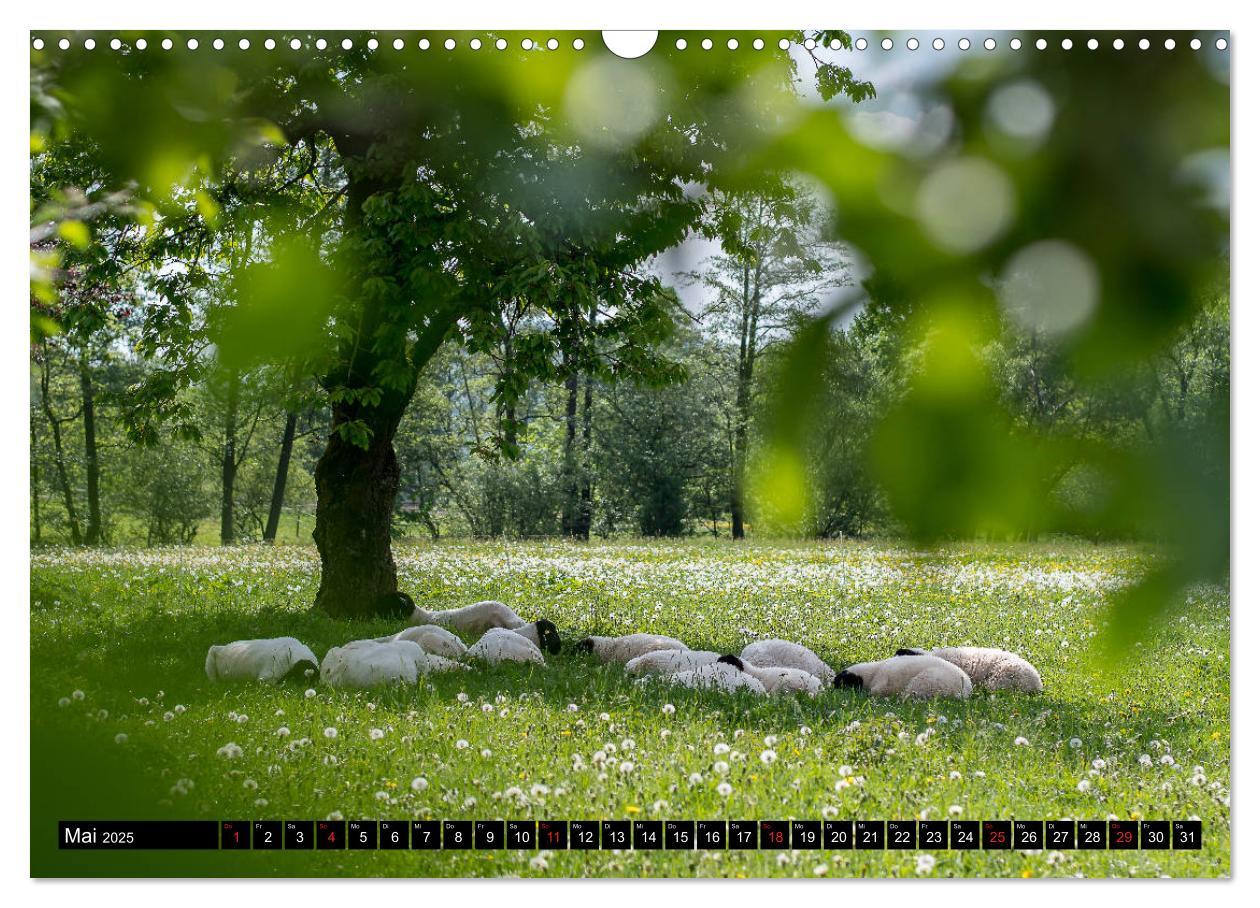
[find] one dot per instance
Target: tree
(775, 268)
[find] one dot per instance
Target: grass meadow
(125, 724)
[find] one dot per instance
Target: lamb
(907, 676)
(718, 676)
(785, 654)
(437, 641)
(778, 679)
(369, 663)
(631, 646)
(991, 669)
(271, 661)
(670, 661)
(502, 645)
(542, 634)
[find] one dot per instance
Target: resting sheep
(437, 641)
(991, 669)
(474, 619)
(369, 663)
(502, 645)
(670, 661)
(718, 676)
(272, 660)
(785, 654)
(907, 676)
(777, 679)
(631, 646)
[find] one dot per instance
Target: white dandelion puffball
(955, 810)
(1145, 760)
(64, 701)
(376, 734)
(695, 778)
(461, 697)
(721, 748)
(283, 731)
(419, 783)
(538, 862)
(1075, 743)
(955, 774)
(310, 693)
(120, 738)
(461, 744)
(573, 707)
(1099, 764)
(330, 732)
(1021, 741)
(1082, 786)
(721, 767)
(725, 789)
(230, 751)
(924, 864)
(78, 695)
(768, 757)
(626, 767)
(668, 709)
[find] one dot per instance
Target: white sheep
(777, 679)
(631, 646)
(437, 641)
(785, 654)
(502, 645)
(271, 660)
(470, 619)
(989, 668)
(670, 661)
(907, 676)
(369, 663)
(718, 676)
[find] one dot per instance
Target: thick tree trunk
(282, 478)
(227, 533)
(355, 490)
(92, 465)
(742, 394)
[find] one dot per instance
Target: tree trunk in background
(582, 526)
(91, 461)
(59, 456)
(282, 478)
(227, 534)
(569, 515)
(36, 528)
(355, 491)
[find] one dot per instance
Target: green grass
(129, 629)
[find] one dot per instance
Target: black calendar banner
(638, 835)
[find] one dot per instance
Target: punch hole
(629, 45)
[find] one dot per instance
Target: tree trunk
(355, 490)
(227, 534)
(582, 526)
(92, 465)
(282, 478)
(59, 456)
(36, 526)
(569, 517)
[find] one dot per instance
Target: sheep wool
(990, 668)
(778, 679)
(471, 619)
(622, 649)
(501, 645)
(785, 654)
(907, 676)
(542, 634)
(718, 676)
(371, 663)
(670, 661)
(270, 660)
(434, 640)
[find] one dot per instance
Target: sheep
(989, 668)
(669, 661)
(434, 640)
(777, 679)
(471, 619)
(502, 645)
(623, 649)
(908, 676)
(272, 661)
(718, 676)
(785, 654)
(368, 663)
(542, 634)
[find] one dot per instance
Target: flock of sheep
(431, 644)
